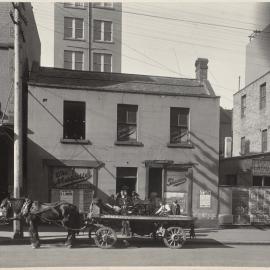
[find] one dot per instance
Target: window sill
(74, 141)
(128, 143)
(101, 7)
(75, 7)
(75, 39)
(180, 145)
(104, 42)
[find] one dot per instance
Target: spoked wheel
(174, 237)
(105, 237)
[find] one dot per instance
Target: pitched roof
(119, 82)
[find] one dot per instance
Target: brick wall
(256, 119)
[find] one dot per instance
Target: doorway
(155, 181)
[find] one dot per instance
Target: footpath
(246, 235)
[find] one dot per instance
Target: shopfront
(249, 191)
(73, 183)
(172, 182)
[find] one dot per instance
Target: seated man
(164, 209)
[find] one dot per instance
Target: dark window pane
(67, 27)
(78, 28)
(179, 135)
(257, 181)
(74, 120)
(107, 31)
(126, 132)
(97, 30)
(68, 59)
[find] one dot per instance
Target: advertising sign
(66, 195)
(205, 199)
(65, 176)
(176, 181)
(260, 167)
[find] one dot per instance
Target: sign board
(66, 195)
(176, 181)
(205, 199)
(66, 176)
(260, 167)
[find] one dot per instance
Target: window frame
(264, 136)
(243, 105)
(73, 28)
(243, 145)
(73, 5)
(73, 59)
(102, 31)
(263, 96)
(179, 125)
(66, 135)
(102, 62)
(103, 5)
(127, 108)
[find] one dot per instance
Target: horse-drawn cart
(108, 228)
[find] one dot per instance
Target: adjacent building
(88, 36)
(93, 132)
(30, 53)
(245, 178)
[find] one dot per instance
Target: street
(53, 253)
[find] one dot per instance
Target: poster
(66, 195)
(176, 181)
(205, 199)
(66, 176)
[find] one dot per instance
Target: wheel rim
(105, 237)
(175, 237)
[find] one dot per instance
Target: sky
(169, 46)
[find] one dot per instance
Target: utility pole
(18, 132)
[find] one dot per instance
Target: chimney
(201, 69)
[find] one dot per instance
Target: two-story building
(100, 131)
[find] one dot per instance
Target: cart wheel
(174, 237)
(105, 237)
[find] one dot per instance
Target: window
(179, 131)
(243, 106)
(258, 181)
(243, 145)
(102, 62)
(126, 176)
(73, 28)
(261, 181)
(127, 122)
(102, 30)
(103, 4)
(74, 4)
(264, 140)
(73, 60)
(263, 96)
(74, 120)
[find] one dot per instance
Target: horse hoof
(69, 246)
(34, 246)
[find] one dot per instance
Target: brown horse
(35, 213)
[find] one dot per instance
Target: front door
(155, 182)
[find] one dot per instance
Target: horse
(35, 213)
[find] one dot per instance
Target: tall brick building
(245, 178)
(30, 53)
(88, 36)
